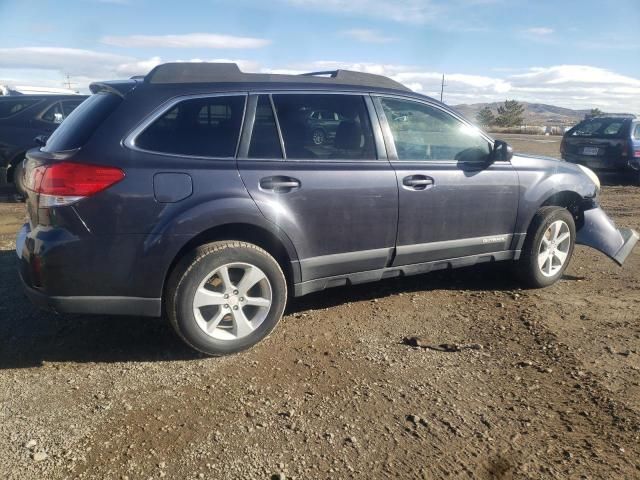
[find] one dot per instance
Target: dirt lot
(333, 393)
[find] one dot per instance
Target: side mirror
(502, 151)
(41, 140)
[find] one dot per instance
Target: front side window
(425, 133)
(204, 127)
(54, 114)
(307, 138)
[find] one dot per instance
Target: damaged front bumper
(600, 232)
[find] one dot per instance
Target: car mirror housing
(502, 151)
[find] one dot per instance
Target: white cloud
(541, 31)
(572, 86)
(366, 35)
(189, 40)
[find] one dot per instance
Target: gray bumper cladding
(600, 232)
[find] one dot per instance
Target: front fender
(600, 232)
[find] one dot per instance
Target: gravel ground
(554, 392)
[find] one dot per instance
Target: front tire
(548, 247)
(224, 297)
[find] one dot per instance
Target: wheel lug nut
(235, 307)
(242, 299)
(226, 295)
(235, 292)
(226, 305)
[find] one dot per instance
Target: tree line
(511, 114)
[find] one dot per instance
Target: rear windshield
(599, 127)
(76, 129)
(12, 106)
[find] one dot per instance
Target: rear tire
(548, 247)
(18, 178)
(224, 297)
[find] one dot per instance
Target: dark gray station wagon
(198, 192)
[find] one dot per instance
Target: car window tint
(307, 137)
(636, 132)
(78, 127)
(54, 114)
(599, 127)
(422, 132)
(265, 142)
(613, 128)
(9, 107)
(206, 127)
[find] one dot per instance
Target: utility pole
(68, 82)
(442, 88)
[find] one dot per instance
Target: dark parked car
(605, 144)
(322, 125)
(22, 119)
(197, 192)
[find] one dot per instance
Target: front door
(335, 200)
(452, 202)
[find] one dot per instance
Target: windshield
(599, 127)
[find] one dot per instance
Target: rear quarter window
(76, 129)
(202, 127)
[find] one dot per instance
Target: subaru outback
(197, 193)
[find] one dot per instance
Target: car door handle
(279, 184)
(417, 182)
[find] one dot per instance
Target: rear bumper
(145, 307)
(600, 232)
(59, 275)
(604, 165)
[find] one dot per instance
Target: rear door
(338, 201)
(453, 203)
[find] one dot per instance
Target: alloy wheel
(232, 301)
(554, 248)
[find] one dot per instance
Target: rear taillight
(63, 183)
(636, 154)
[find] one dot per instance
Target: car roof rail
(213, 72)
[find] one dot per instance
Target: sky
(576, 54)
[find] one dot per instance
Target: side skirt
(319, 284)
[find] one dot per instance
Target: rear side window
(636, 132)
(599, 127)
(306, 138)
(9, 107)
(76, 129)
(203, 127)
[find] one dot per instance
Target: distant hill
(534, 113)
